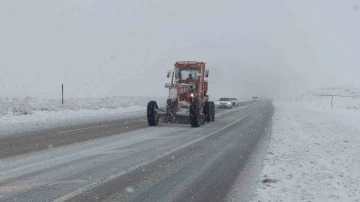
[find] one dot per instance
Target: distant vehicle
(225, 103)
(255, 99)
(234, 101)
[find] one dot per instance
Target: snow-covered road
(78, 130)
(165, 163)
(313, 155)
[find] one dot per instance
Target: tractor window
(183, 74)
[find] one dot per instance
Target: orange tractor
(188, 100)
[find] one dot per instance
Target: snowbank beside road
(18, 106)
(313, 155)
(27, 114)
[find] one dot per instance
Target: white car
(234, 101)
(225, 103)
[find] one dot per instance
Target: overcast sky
(124, 47)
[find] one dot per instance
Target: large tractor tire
(207, 111)
(195, 118)
(152, 116)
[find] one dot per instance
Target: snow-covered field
(26, 114)
(344, 97)
(313, 155)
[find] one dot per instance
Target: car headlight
(229, 103)
(192, 95)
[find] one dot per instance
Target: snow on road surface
(165, 163)
(313, 155)
(27, 114)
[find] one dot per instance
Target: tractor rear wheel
(152, 116)
(195, 118)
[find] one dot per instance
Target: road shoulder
(245, 185)
(312, 156)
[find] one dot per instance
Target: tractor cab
(188, 78)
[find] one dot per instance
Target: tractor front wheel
(152, 116)
(195, 118)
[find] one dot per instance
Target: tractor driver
(190, 78)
